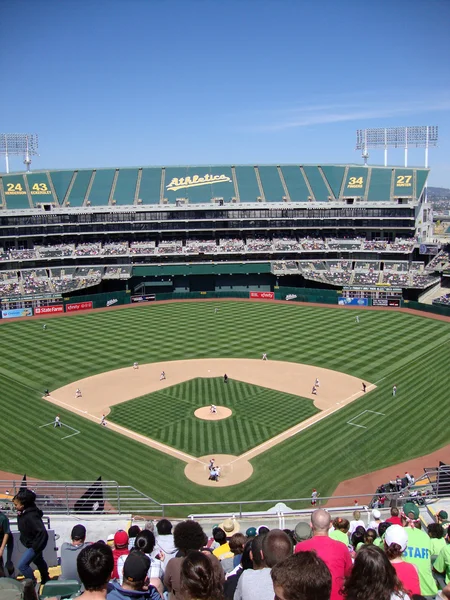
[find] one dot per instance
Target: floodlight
(19, 144)
(421, 136)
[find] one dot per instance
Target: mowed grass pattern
(168, 416)
(385, 348)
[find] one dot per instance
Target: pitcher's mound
(233, 470)
(205, 413)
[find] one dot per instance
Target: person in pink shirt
(334, 554)
(395, 542)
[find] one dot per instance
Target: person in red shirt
(120, 549)
(395, 543)
(333, 553)
(394, 518)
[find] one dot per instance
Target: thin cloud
(319, 115)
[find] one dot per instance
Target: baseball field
(375, 430)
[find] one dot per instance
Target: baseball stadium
(164, 280)
(219, 343)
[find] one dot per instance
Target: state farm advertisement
(78, 306)
(263, 295)
(49, 310)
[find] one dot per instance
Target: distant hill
(438, 192)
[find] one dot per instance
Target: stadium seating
(125, 188)
(247, 184)
(78, 192)
(271, 184)
(101, 187)
(317, 183)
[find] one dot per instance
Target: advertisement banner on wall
(263, 295)
(79, 306)
(14, 313)
(379, 302)
(353, 301)
(395, 302)
(49, 310)
(143, 298)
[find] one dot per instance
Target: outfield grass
(384, 348)
(168, 415)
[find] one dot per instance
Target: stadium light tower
(422, 136)
(19, 144)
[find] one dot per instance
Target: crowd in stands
(445, 299)
(117, 273)
(35, 282)
(224, 245)
(142, 248)
(115, 249)
(440, 262)
(347, 272)
(398, 558)
(89, 249)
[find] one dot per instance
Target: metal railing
(109, 497)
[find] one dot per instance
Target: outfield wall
(75, 304)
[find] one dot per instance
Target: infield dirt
(102, 391)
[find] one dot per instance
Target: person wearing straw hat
(222, 534)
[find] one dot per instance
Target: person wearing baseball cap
(136, 583)
(395, 543)
(70, 551)
(418, 550)
(120, 549)
(251, 532)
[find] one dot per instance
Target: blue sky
(163, 82)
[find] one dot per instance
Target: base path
(102, 391)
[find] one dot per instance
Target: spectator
(340, 531)
(187, 535)
(267, 550)
(373, 578)
(164, 540)
(237, 543)
(358, 537)
(33, 535)
(356, 522)
(394, 518)
(70, 551)
(375, 521)
(221, 535)
(136, 585)
(232, 578)
(145, 543)
(303, 576)
(436, 533)
(442, 563)
(132, 533)
(418, 551)
(302, 532)
(442, 518)
(120, 549)
(335, 555)
(199, 579)
(5, 536)
(94, 565)
(383, 527)
(395, 542)
(370, 537)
